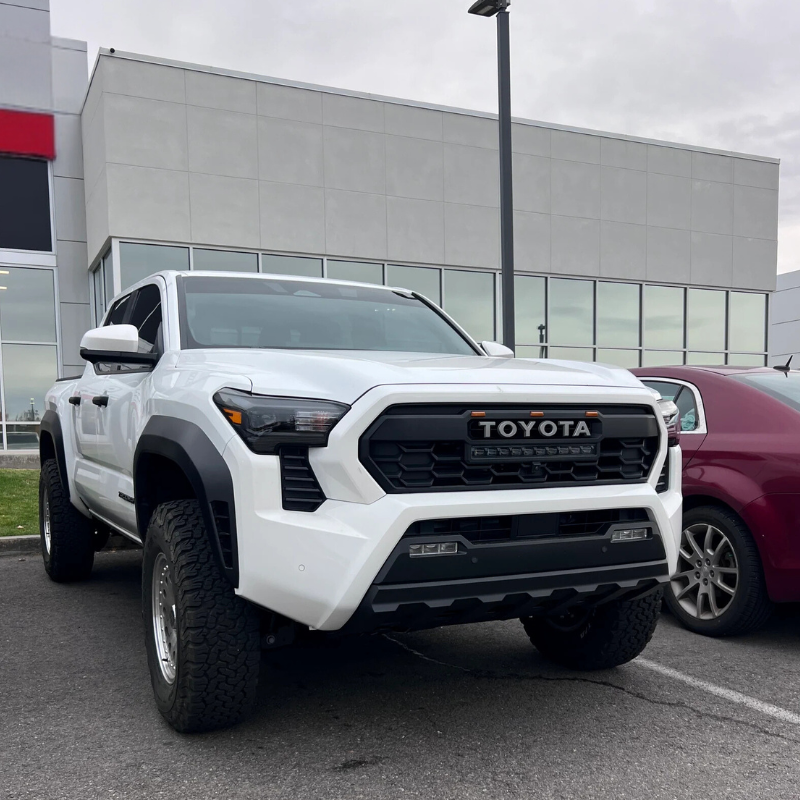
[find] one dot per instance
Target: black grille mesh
(528, 526)
(439, 465)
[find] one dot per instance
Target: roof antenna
(786, 367)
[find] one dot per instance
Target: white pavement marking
(720, 691)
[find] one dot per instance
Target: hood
(346, 375)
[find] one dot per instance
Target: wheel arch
(175, 460)
(51, 445)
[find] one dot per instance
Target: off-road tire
(751, 607)
(70, 555)
(605, 637)
(218, 643)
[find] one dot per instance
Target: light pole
(499, 8)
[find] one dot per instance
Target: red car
(740, 437)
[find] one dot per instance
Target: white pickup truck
(300, 454)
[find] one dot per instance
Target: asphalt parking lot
(467, 712)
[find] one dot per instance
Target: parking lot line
(720, 691)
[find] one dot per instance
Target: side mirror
(114, 344)
(496, 349)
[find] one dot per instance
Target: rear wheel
(67, 537)
(597, 638)
(719, 587)
(203, 643)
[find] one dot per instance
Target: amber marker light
(592, 413)
(537, 413)
(478, 414)
(234, 416)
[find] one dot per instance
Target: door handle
(101, 400)
(75, 401)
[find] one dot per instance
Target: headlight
(672, 418)
(266, 423)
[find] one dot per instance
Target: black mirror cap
(116, 357)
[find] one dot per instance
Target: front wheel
(203, 643)
(597, 638)
(719, 587)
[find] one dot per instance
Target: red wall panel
(27, 134)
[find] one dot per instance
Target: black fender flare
(51, 425)
(187, 446)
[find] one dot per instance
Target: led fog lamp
(433, 549)
(266, 423)
(629, 535)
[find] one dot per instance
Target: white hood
(346, 375)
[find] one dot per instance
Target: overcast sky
(719, 73)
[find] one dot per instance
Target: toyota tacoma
(304, 457)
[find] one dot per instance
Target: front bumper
(317, 568)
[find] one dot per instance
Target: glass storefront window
(529, 309)
(469, 299)
(629, 359)
(705, 319)
(25, 203)
(137, 261)
(571, 312)
(572, 353)
(705, 359)
(22, 437)
(418, 279)
(224, 260)
(524, 351)
(617, 314)
(359, 271)
(662, 358)
(291, 265)
(29, 370)
(27, 305)
(747, 322)
(663, 317)
(746, 360)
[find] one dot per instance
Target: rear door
(690, 405)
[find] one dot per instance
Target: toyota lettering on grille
(534, 429)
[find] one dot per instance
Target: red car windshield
(782, 386)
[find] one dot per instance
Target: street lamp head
(488, 8)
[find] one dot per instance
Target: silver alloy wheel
(708, 572)
(46, 523)
(164, 620)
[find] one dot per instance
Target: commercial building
(784, 313)
(628, 250)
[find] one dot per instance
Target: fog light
(435, 549)
(629, 535)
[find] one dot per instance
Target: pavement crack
(515, 676)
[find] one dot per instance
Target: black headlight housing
(266, 423)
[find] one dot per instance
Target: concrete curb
(14, 545)
(27, 461)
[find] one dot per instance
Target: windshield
(783, 387)
(275, 313)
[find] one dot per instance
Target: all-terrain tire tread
(71, 554)
(615, 634)
(219, 650)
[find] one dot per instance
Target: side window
(118, 312)
(683, 397)
(669, 391)
(146, 316)
(687, 405)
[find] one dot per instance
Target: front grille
(663, 479)
(528, 526)
(413, 449)
(301, 491)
